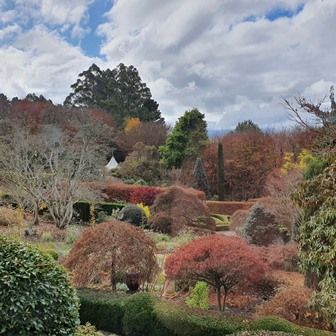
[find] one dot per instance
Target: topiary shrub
(35, 294)
(140, 318)
(180, 208)
(133, 215)
(260, 227)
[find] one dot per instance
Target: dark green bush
(272, 324)
(140, 318)
(108, 207)
(182, 322)
(35, 294)
(140, 314)
(133, 215)
(103, 309)
(82, 209)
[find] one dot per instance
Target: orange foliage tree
(249, 158)
(222, 262)
(131, 124)
(115, 248)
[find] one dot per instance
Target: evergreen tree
(220, 172)
(119, 91)
(247, 126)
(201, 179)
(186, 140)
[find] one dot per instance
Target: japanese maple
(222, 262)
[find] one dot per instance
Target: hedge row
(228, 207)
(141, 314)
(83, 210)
(132, 193)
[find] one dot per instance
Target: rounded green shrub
(261, 228)
(133, 215)
(35, 293)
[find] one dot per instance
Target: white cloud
(192, 53)
(41, 62)
(207, 55)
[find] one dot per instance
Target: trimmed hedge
(140, 317)
(141, 314)
(103, 309)
(228, 207)
(83, 209)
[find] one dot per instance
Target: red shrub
(134, 193)
(115, 248)
(222, 262)
(292, 304)
(178, 208)
(117, 192)
(145, 195)
(279, 256)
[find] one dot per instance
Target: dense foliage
(107, 312)
(119, 91)
(177, 208)
(317, 235)
(186, 140)
(247, 126)
(133, 214)
(261, 228)
(35, 294)
(114, 248)
(222, 262)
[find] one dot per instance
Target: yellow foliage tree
(289, 162)
(131, 124)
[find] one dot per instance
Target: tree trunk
(224, 300)
(36, 220)
(113, 277)
(219, 298)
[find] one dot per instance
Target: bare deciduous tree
(51, 166)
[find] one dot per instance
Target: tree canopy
(186, 139)
(119, 91)
(222, 262)
(247, 126)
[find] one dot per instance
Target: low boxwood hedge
(142, 314)
(103, 309)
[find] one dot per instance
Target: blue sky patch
(278, 13)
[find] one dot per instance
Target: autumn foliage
(292, 304)
(145, 195)
(179, 208)
(113, 248)
(222, 262)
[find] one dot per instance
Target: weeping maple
(115, 248)
(222, 262)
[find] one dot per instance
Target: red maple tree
(222, 262)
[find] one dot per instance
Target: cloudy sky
(233, 59)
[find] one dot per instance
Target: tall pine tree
(119, 91)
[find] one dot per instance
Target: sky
(232, 59)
